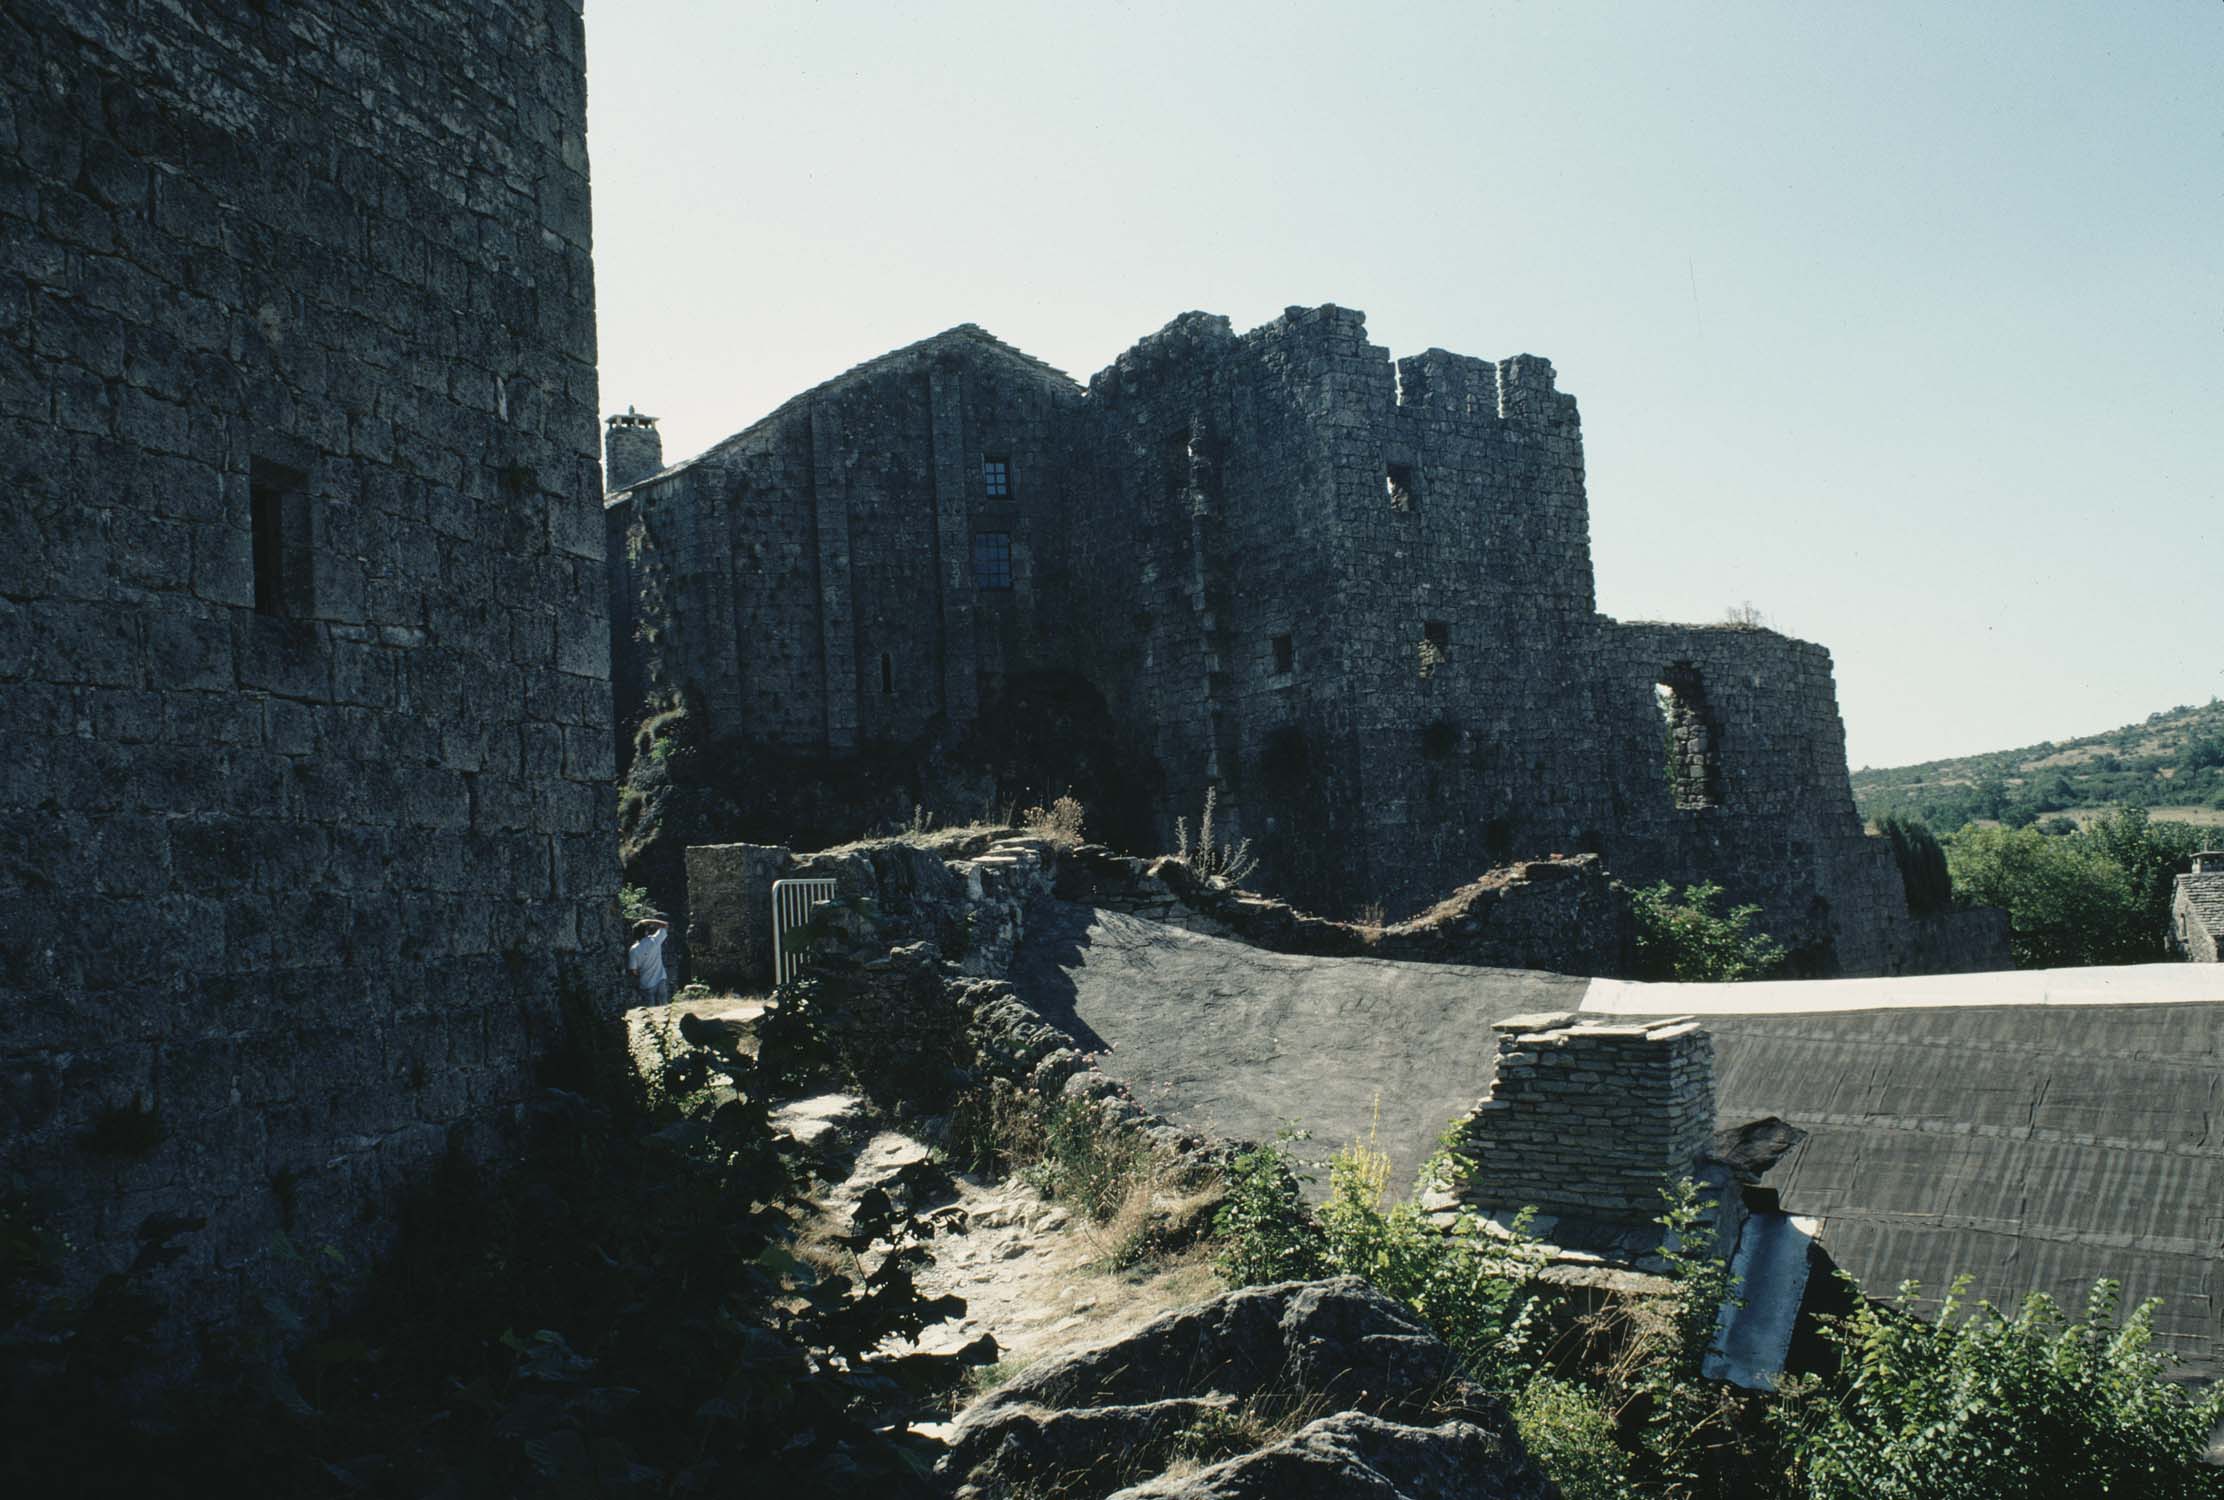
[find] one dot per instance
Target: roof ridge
(972, 333)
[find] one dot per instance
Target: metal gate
(792, 901)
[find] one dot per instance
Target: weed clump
(1059, 823)
(1212, 858)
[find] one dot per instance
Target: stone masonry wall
(1350, 597)
(2197, 910)
(304, 664)
(729, 913)
(1563, 916)
(811, 581)
(1592, 1121)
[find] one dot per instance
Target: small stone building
(1351, 596)
(305, 830)
(2197, 909)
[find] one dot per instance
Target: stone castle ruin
(303, 647)
(1351, 596)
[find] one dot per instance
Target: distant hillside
(2173, 764)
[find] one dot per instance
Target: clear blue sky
(1903, 322)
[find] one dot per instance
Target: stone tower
(303, 646)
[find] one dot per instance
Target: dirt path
(1033, 1274)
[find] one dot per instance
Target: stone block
(729, 908)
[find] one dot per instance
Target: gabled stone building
(2197, 909)
(1351, 595)
(303, 645)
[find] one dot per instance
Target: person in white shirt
(645, 959)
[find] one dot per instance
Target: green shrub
(1567, 1429)
(1983, 1404)
(1685, 938)
(1473, 1289)
(1266, 1234)
(1089, 1161)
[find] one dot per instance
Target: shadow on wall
(1044, 735)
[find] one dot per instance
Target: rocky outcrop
(1351, 1456)
(1303, 1388)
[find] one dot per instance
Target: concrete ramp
(2033, 1130)
(1240, 1042)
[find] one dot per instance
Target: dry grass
(1059, 823)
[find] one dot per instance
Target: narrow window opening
(1690, 737)
(992, 559)
(1285, 656)
(887, 675)
(1435, 647)
(1397, 483)
(996, 478)
(1179, 449)
(278, 518)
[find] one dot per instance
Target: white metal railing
(792, 901)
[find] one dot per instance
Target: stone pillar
(1592, 1121)
(631, 450)
(729, 912)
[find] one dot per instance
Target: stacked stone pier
(1592, 1122)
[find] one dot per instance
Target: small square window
(1397, 482)
(1285, 656)
(992, 559)
(996, 478)
(1438, 634)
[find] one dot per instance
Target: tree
(1684, 937)
(2067, 902)
(2201, 751)
(2152, 855)
(1922, 862)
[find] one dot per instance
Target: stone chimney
(1592, 1122)
(2209, 862)
(632, 450)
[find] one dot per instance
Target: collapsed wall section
(303, 651)
(1726, 757)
